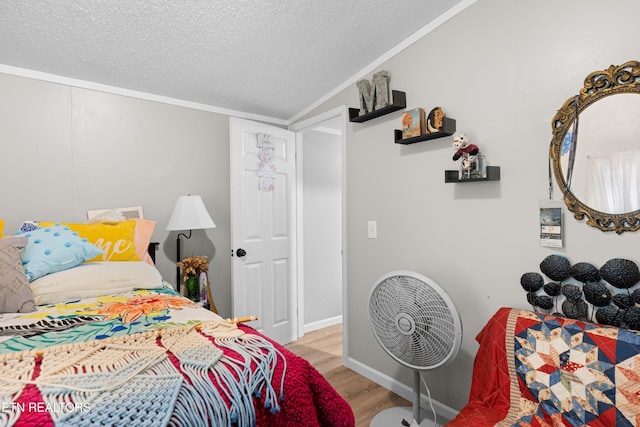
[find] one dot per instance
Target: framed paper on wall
(551, 223)
(129, 213)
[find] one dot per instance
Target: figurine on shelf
(434, 120)
(472, 164)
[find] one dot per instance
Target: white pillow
(93, 279)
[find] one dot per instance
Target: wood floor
(323, 349)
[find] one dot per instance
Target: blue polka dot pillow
(54, 249)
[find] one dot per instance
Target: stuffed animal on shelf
(463, 145)
(468, 151)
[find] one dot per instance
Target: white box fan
(416, 323)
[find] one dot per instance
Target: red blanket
(490, 387)
(307, 398)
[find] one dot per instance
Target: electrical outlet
(372, 229)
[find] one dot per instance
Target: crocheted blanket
(541, 370)
(187, 373)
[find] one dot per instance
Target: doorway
(321, 148)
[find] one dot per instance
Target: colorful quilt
(98, 318)
(534, 369)
(153, 358)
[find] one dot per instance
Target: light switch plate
(372, 229)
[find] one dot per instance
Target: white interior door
(263, 225)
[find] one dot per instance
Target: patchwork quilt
(534, 369)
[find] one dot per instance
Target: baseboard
(310, 327)
(444, 412)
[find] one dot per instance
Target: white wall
(322, 219)
(67, 150)
(501, 68)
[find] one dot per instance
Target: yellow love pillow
(1, 227)
(116, 240)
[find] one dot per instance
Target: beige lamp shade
(190, 214)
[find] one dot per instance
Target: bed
(90, 334)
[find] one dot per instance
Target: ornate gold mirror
(595, 150)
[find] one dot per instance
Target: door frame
(299, 128)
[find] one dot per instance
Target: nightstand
(210, 302)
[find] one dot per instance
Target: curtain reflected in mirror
(612, 181)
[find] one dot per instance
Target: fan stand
(404, 416)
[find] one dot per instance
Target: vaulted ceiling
(268, 58)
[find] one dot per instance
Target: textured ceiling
(273, 58)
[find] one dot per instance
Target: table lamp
(189, 214)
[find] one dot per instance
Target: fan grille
(415, 321)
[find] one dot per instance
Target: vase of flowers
(192, 288)
(191, 268)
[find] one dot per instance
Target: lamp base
(178, 258)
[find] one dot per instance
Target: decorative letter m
(374, 97)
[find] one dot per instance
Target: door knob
(241, 252)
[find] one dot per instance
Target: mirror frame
(614, 80)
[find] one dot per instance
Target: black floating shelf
(448, 128)
(493, 174)
(399, 101)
